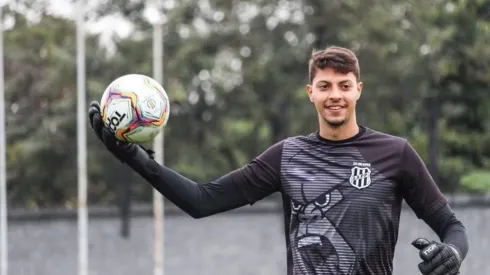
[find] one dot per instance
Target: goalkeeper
(342, 186)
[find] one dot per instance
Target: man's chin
(335, 122)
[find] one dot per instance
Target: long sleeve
(424, 197)
(418, 188)
(449, 229)
(243, 186)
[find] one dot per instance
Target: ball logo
(115, 120)
(151, 103)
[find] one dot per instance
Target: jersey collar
(361, 132)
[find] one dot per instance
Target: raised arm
(252, 182)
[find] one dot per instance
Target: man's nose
(335, 94)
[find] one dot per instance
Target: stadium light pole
(156, 19)
(81, 142)
(3, 163)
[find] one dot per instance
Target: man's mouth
(334, 107)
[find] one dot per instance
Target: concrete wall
(237, 243)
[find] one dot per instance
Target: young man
(342, 186)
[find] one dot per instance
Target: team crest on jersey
(360, 177)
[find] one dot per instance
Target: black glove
(122, 150)
(438, 258)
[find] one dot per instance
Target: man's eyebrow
(340, 82)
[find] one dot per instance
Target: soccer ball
(135, 107)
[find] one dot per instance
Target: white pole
(158, 204)
(3, 163)
(82, 143)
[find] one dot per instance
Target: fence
(248, 240)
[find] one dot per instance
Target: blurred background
(235, 72)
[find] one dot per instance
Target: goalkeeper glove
(438, 258)
(122, 150)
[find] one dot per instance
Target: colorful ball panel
(135, 107)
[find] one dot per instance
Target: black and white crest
(360, 177)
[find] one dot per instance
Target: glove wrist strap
(456, 252)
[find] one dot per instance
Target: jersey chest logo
(360, 177)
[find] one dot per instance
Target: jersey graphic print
(317, 246)
(343, 201)
(360, 177)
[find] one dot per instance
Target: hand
(123, 151)
(438, 258)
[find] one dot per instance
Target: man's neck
(341, 132)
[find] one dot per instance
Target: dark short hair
(342, 60)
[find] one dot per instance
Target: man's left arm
(423, 195)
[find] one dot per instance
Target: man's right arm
(250, 183)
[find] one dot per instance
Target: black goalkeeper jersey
(342, 199)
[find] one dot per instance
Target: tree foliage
(235, 72)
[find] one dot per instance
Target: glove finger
(440, 270)
(443, 269)
(110, 141)
(92, 111)
(97, 124)
(108, 135)
(426, 268)
(95, 104)
(439, 259)
(429, 252)
(109, 138)
(420, 243)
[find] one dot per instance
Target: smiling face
(334, 95)
(334, 87)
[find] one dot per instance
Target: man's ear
(359, 89)
(309, 91)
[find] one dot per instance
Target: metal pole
(3, 163)
(82, 144)
(158, 204)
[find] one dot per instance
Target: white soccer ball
(135, 107)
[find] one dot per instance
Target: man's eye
(346, 87)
